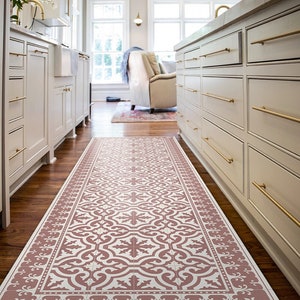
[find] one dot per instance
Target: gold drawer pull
(191, 59)
(84, 56)
(17, 54)
(179, 85)
(262, 42)
(262, 188)
(229, 160)
(17, 99)
(179, 61)
(216, 52)
(271, 112)
(40, 52)
(219, 98)
(18, 151)
(191, 90)
(193, 128)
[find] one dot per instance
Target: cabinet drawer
(192, 90)
(225, 151)
(16, 150)
(223, 51)
(193, 126)
(179, 61)
(274, 192)
(16, 54)
(16, 96)
(223, 97)
(274, 112)
(276, 40)
(192, 59)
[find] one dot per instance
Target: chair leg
(151, 110)
(132, 107)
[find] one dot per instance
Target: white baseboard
(99, 93)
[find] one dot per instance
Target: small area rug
(134, 221)
(124, 114)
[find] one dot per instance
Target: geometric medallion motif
(134, 221)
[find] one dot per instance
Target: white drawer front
(192, 90)
(16, 150)
(225, 151)
(268, 180)
(223, 51)
(278, 117)
(192, 59)
(16, 96)
(224, 97)
(16, 54)
(275, 40)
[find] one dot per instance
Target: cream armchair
(149, 85)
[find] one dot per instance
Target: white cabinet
(63, 104)
(16, 106)
(27, 109)
(36, 104)
(82, 89)
(238, 86)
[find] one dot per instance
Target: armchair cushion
(153, 62)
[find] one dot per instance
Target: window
(173, 20)
(109, 31)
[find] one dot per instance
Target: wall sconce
(138, 21)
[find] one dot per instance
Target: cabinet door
(36, 114)
(68, 96)
(86, 88)
(79, 93)
(58, 113)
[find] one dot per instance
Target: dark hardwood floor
(31, 201)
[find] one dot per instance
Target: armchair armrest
(163, 77)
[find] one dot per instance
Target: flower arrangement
(19, 5)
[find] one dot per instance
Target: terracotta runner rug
(134, 221)
(124, 114)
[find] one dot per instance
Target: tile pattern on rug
(124, 114)
(134, 221)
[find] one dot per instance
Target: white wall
(138, 34)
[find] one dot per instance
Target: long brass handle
(191, 90)
(262, 42)
(17, 99)
(216, 52)
(18, 151)
(230, 100)
(179, 61)
(17, 54)
(262, 189)
(271, 112)
(229, 160)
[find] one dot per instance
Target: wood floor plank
(30, 202)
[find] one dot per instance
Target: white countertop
(236, 13)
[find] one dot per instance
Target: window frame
(181, 20)
(90, 34)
